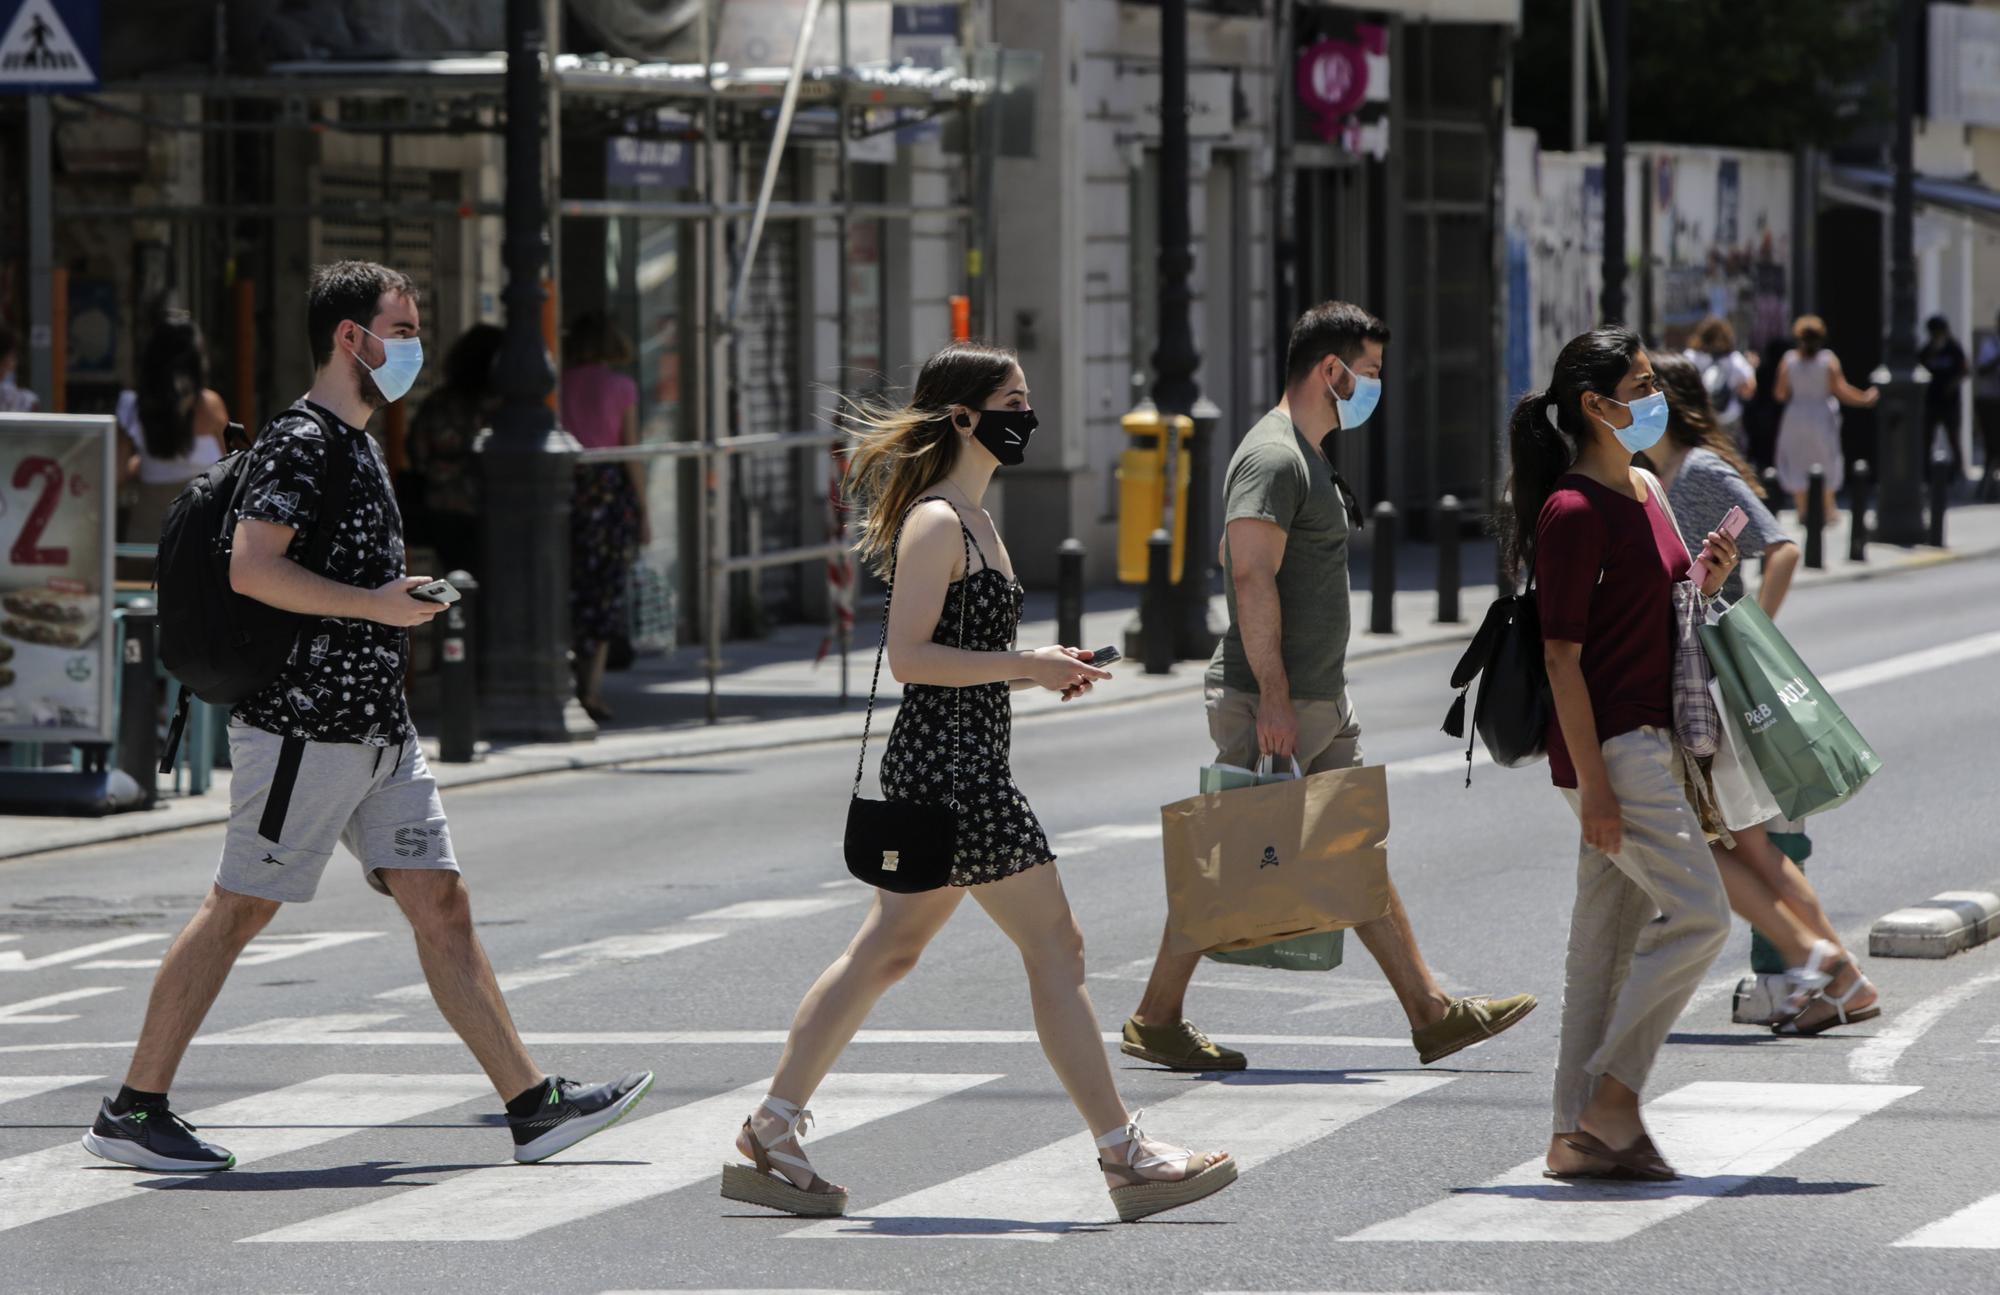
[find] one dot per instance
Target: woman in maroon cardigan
(1605, 558)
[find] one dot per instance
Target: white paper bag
(1740, 792)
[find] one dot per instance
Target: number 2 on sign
(27, 550)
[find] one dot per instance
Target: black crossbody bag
(905, 846)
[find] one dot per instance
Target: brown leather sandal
(767, 1185)
(1642, 1159)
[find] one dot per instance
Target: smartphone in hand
(1104, 656)
(1732, 525)
(437, 591)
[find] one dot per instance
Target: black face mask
(1005, 434)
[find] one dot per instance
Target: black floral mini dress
(998, 834)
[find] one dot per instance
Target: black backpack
(223, 646)
(1512, 716)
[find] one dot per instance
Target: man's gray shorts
(290, 802)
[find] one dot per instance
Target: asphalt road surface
(670, 916)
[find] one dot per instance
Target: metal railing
(718, 563)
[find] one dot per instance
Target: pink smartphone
(1732, 525)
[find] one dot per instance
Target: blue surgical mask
(1649, 422)
(402, 360)
(1355, 409)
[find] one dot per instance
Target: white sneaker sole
(567, 1135)
(134, 1156)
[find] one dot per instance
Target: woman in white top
(173, 422)
(1727, 375)
(1809, 383)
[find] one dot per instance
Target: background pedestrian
(172, 421)
(14, 398)
(600, 407)
(1809, 384)
(1944, 359)
(1727, 376)
(440, 500)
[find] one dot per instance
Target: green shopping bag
(1805, 746)
(1320, 951)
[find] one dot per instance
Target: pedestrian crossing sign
(49, 45)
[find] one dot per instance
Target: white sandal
(1807, 982)
(767, 1185)
(1143, 1194)
(1798, 1027)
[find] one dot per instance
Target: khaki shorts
(290, 803)
(1329, 731)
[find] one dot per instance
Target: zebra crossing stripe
(63, 1179)
(14, 1088)
(1976, 1227)
(1719, 1135)
(1057, 1189)
(630, 1163)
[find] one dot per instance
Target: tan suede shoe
(1178, 1047)
(1468, 1021)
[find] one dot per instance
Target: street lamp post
(1175, 359)
(1899, 501)
(528, 463)
(1618, 64)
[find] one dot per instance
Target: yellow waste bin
(1142, 490)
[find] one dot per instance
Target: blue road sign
(48, 46)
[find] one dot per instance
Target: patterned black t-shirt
(344, 682)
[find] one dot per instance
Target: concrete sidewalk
(774, 693)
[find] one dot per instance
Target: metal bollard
(458, 674)
(1382, 592)
(1447, 540)
(1774, 495)
(1156, 604)
(1857, 512)
(1816, 519)
(138, 698)
(1069, 593)
(1940, 498)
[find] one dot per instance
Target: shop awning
(1873, 185)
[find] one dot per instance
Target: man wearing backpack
(324, 752)
(1278, 684)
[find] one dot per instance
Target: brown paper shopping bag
(1258, 864)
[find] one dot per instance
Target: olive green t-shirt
(1278, 476)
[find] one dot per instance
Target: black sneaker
(154, 1138)
(572, 1112)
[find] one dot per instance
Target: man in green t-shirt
(1278, 683)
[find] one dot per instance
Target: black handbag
(904, 846)
(1512, 714)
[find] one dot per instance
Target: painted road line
(28, 1011)
(1056, 1189)
(624, 1165)
(65, 1178)
(561, 964)
(263, 950)
(1976, 1227)
(1902, 667)
(357, 1030)
(1845, 681)
(776, 910)
(1089, 840)
(1720, 1136)
(14, 1088)
(15, 960)
(1875, 1060)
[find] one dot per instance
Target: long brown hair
(1542, 451)
(1691, 416)
(900, 451)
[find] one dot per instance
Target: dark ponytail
(1548, 430)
